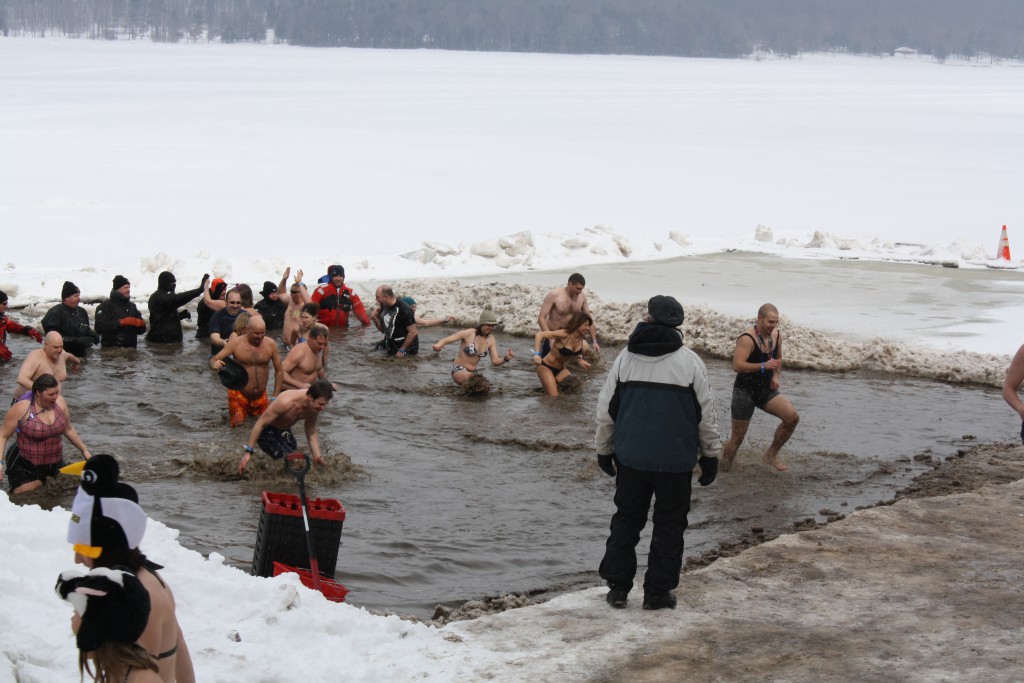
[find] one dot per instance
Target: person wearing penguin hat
(112, 608)
(106, 527)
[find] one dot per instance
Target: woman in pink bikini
(41, 420)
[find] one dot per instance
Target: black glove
(607, 463)
(184, 314)
(202, 282)
(708, 470)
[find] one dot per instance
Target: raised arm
(283, 284)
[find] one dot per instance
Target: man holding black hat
(164, 316)
(336, 300)
(655, 416)
(118, 320)
(71, 320)
(8, 324)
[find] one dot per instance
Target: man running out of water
(757, 361)
(272, 432)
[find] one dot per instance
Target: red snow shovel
(298, 465)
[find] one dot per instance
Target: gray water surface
(469, 497)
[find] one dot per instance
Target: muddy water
(455, 497)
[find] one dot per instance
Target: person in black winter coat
(656, 423)
(271, 307)
(164, 316)
(118, 321)
(71, 321)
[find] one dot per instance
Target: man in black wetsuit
(164, 316)
(398, 323)
(118, 321)
(757, 361)
(71, 320)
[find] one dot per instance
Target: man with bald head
(51, 359)
(255, 352)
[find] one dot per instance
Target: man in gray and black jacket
(655, 416)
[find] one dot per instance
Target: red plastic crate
(331, 589)
(287, 504)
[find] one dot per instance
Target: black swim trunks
(277, 443)
(19, 471)
(746, 398)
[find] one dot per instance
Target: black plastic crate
(281, 536)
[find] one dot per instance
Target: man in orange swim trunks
(254, 351)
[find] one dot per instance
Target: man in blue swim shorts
(273, 430)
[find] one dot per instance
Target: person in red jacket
(8, 324)
(337, 301)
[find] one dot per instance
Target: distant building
(904, 51)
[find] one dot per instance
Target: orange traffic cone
(1003, 252)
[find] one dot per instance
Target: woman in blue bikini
(566, 344)
(475, 343)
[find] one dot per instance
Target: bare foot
(773, 460)
(244, 461)
(725, 463)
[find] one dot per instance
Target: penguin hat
(105, 513)
(112, 605)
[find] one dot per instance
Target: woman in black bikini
(475, 343)
(565, 344)
(111, 609)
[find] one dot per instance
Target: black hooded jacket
(164, 321)
(73, 325)
(272, 312)
(108, 321)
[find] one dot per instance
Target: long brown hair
(577, 321)
(114, 660)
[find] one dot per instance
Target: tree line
(690, 28)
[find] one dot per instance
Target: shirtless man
(304, 364)
(51, 359)
(272, 432)
(560, 305)
(757, 361)
(255, 352)
(298, 296)
(1011, 385)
